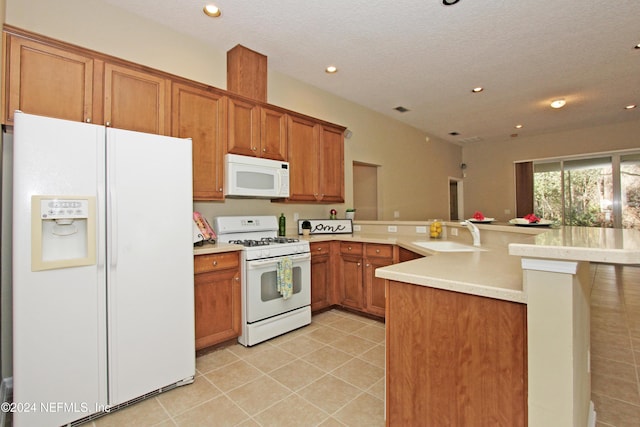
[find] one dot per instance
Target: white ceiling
(427, 57)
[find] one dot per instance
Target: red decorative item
(477, 215)
(531, 218)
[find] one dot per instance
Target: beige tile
(270, 359)
(296, 374)
(146, 413)
(326, 317)
(258, 395)
(375, 356)
(359, 373)
(327, 358)
(625, 390)
(329, 393)
(220, 411)
(348, 324)
(326, 335)
(611, 368)
(331, 422)
(377, 390)
(365, 411)
(293, 411)
(186, 397)
(233, 375)
(300, 345)
(248, 423)
(214, 360)
(616, 412)
(353, 345)
(372, 333)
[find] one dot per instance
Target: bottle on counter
(282, 225)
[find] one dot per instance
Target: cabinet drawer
(351, 248)
(215, 262)
(379, 251)
(320, 248)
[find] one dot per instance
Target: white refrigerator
(103, 309)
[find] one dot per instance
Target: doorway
(456, 211)
(365, 191)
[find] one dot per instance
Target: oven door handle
(261, 263)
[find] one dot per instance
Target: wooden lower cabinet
(376, 255)
(454, 359)
(217, 298)
(321, 275)
(360, 289)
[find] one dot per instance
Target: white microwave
(247, 176)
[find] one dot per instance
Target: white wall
(490, 182)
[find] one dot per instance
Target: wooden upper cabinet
(273, 134)
(331, 167)
(201, 115)
(304, 144)
(316, 157)
(244, 128)
(256, 131)
(48, 81)
(136, 100)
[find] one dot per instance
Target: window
(599, 191)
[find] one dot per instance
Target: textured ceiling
(427, 57)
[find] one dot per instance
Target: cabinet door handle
(88, 120)
(108, 124)
(264, 150)
(215, 263)
(377, 251)
(349, 248)
(319, 249)
(358, 264)
(368, 265)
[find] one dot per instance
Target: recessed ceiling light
(454, 133)
(630, 107)
(637, 46)
(477, 89)
(331, 69)
(401, 109)
(558, 103)
(212, 10)
(518, 126)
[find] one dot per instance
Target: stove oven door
(261, 295)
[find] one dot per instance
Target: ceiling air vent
(470, 139)
(401, 109)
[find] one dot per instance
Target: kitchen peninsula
(522, 351)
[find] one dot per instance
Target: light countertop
(495, 272)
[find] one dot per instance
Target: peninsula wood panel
(454, 359)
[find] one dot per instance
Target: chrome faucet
(473, 229)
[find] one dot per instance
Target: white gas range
(266, 311)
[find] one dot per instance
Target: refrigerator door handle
(113, 222)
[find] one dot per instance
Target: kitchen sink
(447, 246)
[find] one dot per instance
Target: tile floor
(330, 373)
(615, 345)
